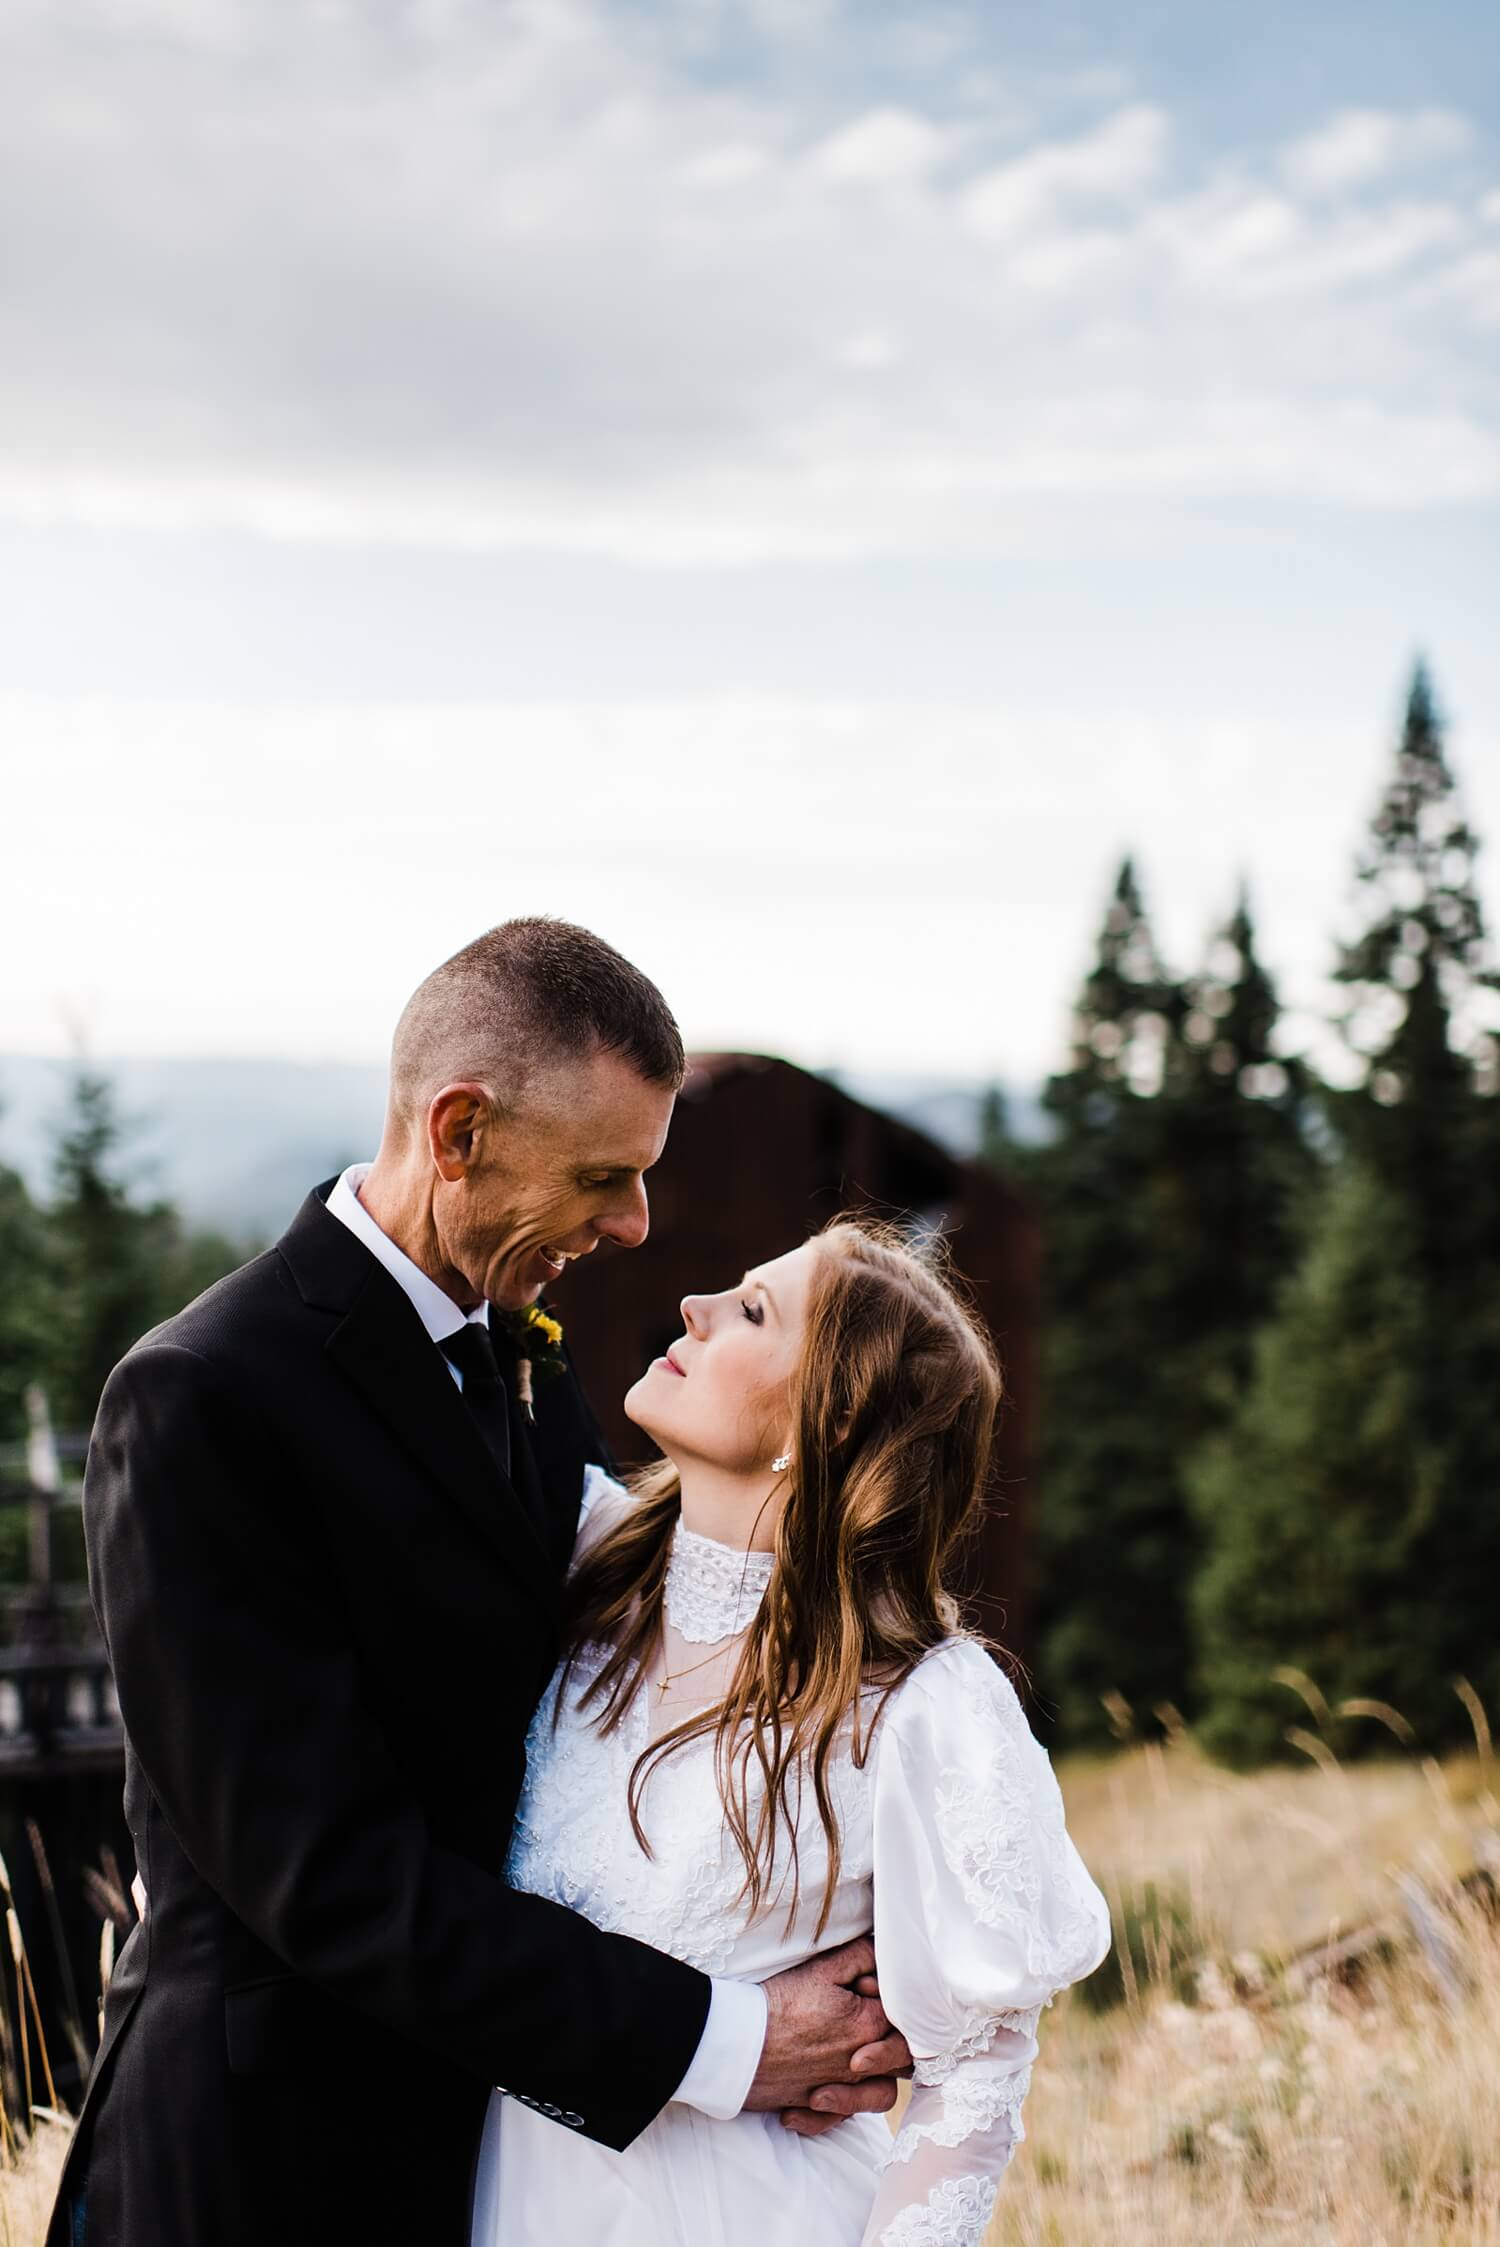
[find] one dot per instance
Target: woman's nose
(694, 1309)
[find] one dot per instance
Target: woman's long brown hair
(894, 1407)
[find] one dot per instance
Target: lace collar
(713, 1590)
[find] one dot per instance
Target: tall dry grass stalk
(33, 2130)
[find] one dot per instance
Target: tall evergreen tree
(1238, 1121)
(118, 1266)
(1122, 1022)
(25, 1310)
(1174, 1197)
(1423, 1018)
(1108, 1542)
(1390, 1441)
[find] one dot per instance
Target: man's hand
(829, 2049)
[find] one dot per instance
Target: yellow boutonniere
(539, 1352)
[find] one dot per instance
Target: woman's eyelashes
(752, 1311)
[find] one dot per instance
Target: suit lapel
(381, 1346)
(402, 1375)
(524, 1470)
(566, 1437)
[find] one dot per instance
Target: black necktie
(484, 1391)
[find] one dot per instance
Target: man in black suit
(327, 1548)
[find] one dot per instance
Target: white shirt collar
(438, 1312)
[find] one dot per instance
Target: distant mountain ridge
(236, 1144)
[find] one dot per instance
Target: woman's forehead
(788, 1274)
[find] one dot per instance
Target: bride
(769, 1735)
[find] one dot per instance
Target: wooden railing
(58, 1711)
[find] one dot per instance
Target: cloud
(884, 145)
(1358, 146)
(569, 275)
(1252, 241)
(1474, 283)
(1110, 164)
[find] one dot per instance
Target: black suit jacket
(330, 1620)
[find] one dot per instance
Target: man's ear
(456, 1123)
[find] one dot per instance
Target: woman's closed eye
(753, 1311)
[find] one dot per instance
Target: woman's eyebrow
(750, 1280)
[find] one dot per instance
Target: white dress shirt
(722, 2069)
(438, 1312)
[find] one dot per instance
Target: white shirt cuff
(722, 2069)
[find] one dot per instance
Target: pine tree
(1239, 1121)
(1122, 1022)
(1362, 1480)
(1319, 1500)
(117, 1266)
(25, 1311)
(1424, 1019)
(1174, 1201)
(1108, 1540)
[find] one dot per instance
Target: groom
(327, 1549)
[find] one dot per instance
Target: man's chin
(523, 1282)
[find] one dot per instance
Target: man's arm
(242, 1698)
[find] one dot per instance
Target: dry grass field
(1261, 2076)
(1265, 2077)
(26, 2186)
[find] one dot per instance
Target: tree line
(1270, 1462)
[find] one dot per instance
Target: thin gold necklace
(671, 1677)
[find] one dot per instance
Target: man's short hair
(523, 995)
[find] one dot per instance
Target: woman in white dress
(770, 1735)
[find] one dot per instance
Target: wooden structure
(62, 1759)
(761, 1154)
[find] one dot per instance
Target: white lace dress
(955, 1853)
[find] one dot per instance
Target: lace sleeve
(983, 1911)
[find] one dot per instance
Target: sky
(801, 486)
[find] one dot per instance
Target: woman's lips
(673, 1367)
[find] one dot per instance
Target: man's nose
(629, 1225)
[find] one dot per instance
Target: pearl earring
(780, 1465)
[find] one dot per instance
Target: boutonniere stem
(539, 1352)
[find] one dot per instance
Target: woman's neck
(733, 1509)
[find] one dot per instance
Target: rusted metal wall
(761, 1154)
